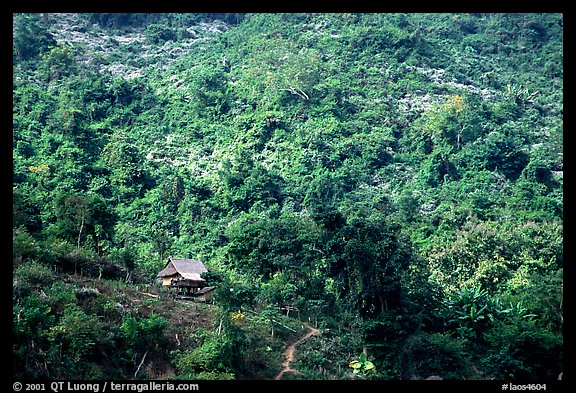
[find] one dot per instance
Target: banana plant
(471, 308)
(362, 366)
(520, 312)
(499, 311)
(469, 305)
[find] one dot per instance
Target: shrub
(436, 354)
(33, 274)
(143, 332)
(73, 344)
(158, 34)
(23, 245)
(32, 318)
(208, 360)
(522, 350)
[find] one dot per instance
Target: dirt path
(289, 352)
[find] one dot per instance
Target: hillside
(397, 179)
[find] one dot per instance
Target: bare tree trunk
(80, 232)
(220, 327)
(141, 363)
(381, 302)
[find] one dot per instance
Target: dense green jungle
(375, 196)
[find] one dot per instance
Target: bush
(30, 36)
(502, 152)
(208, 360)
(60, 296)
(74, 342)
(523, 350)
(23, 245)
(436, 354)
(33, 274)
(32, 318)
(145, 332)
(158, 34)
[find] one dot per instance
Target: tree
(32, 318)
(30, 36)
(74, 342)
(502, 152)
(58, 62)
(73, 215)
(126, 163)
(321, 200)
(79, 216)
(369, 256)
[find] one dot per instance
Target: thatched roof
(190, 269)
(204, 290)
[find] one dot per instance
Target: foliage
(30, 36)
(362, 366)
(219, 354)
(435, 354)
(396, 179)
(508, 357)
(144, 332)
(33, 273)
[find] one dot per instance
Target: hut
(184, 276)
(204, 294)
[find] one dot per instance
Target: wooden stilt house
(184, 277)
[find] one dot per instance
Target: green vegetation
(395, 179)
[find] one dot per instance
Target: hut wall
(166, 280)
